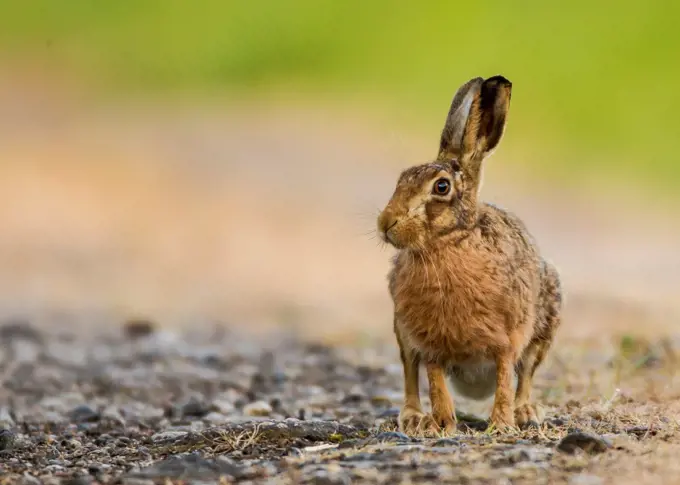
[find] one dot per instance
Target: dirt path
(143, 405)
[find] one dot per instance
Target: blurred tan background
(224, 162)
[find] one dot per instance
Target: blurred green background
(594, 81)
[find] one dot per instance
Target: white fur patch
(475, 380)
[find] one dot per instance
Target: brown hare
(474, 300)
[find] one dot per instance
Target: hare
(474, 301)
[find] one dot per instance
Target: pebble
(113, 413)
(66, 354)
(223, 406)
(446, 443)
(27, 479)
(75, 444)
(139, 328)
(6, 420)
(25, 352)
(19, 329)
(356, 395)
(381, 401)
(389, 413)
(62, 402)
(257, 408)
(83, 414)
(585, 479)
(295, 452)
(216, 418)
(139, 410)
(325, 477)
(22, 442)
(168, 436)
(7, 438)
(190, 467)
(392, 437)
(78, 480)
(589, 443)
(195, 408)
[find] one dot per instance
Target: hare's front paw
(428, 427)
(416, 423)
(502, 418)
(409, 420)
(437, 424)
(525, 416)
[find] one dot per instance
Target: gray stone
(392, 437)
(216, 418)
(585, 479)
(588, 443)
(67, 354)
(446, 443)
(165, 436)
(29, 480)
(195, 408)
(330, 477)
(389, 413)
(190, 467)
(19, 329)
(62, 403)
(7, 438)
(112, 413)
(6, 420)
(83, 414)
(139, 410)
(223, 406)
(25, 352)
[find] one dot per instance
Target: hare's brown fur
(473, 299)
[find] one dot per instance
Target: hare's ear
(451, 143)
(476, 119)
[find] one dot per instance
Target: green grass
(594, 82)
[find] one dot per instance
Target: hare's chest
(447, 314)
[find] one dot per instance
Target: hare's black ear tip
(502, 80)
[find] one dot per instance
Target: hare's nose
(386, 221)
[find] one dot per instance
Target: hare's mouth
(396, 238)
(388, 234)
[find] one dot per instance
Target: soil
(212, 404)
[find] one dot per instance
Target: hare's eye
(441, 187)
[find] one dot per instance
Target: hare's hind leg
(501, 414)
(547, 323)
(525, 413)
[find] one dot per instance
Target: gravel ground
(136, 405)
